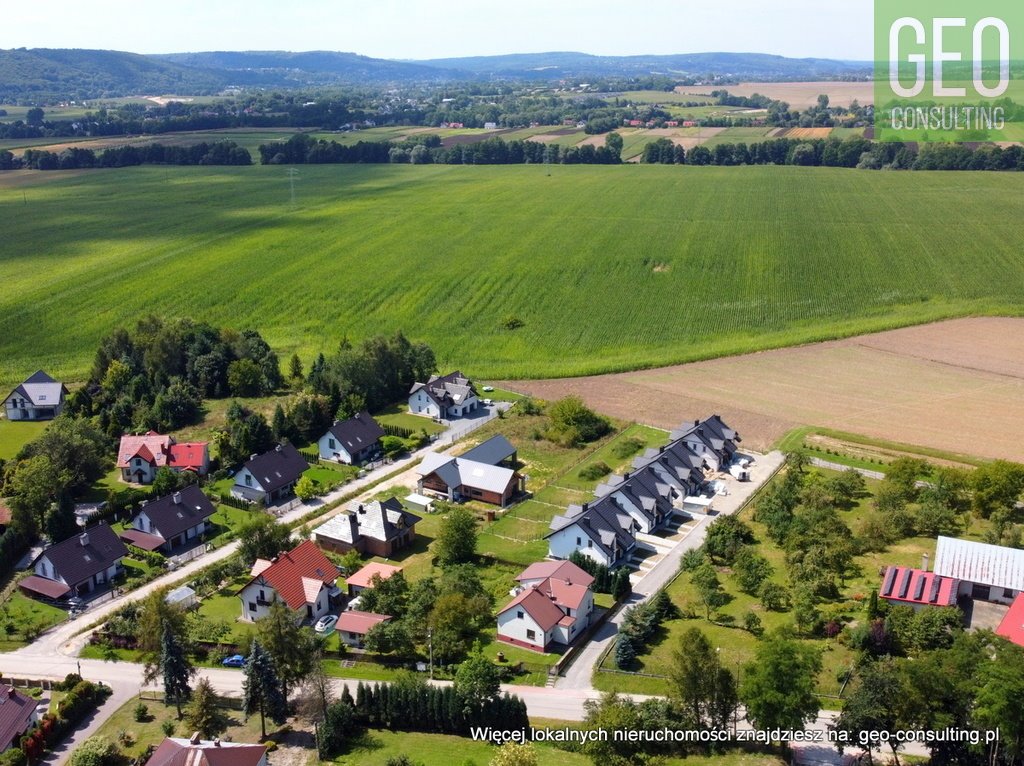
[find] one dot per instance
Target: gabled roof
(362, 578)
(80, 557)
(379, 520)
(561, 570)
(182, 752)
(493, 451)
(277, 468)
(173, 514)
(16, 710)
(981, 563)
(454, 388)
(41, 390)
(354, 621)
(915, 586)
(151, 447)
(1012, 626)
(188, 456)
(299, 574)
(540, 607)
(458, 471)
(358, 433)
(602, 521)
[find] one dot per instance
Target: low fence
(176, 561)
(27, 683)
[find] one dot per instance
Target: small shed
(420, 502)
(183, 597)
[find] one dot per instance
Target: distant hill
(746, 66)
(76, 74)
(44, 74)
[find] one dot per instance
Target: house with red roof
(1012, 626)
(303, 579)
(363, 579)
(353, 625)
(17, 715)
(140, 456)
(554, 605)
(918, 588)
(199, 752)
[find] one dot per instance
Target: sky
(416, 29)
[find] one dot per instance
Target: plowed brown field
(956, 386)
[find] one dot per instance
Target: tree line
(76, 158)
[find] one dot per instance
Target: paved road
(578, 675)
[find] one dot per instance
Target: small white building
(352, 441)
(986, 572)
(77, 566)
(270, 477)
(353, 625)
(40, 397)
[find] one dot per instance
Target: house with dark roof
(269, 477)
(444, 397)
(304, 579)
(660, 486)
(140, 456)
(495, 451)
(18, 714)
(39, 397)
(77, 566)
(554, 606)
(352, 441)
(199, 752)
(171, 521)
(378, 528)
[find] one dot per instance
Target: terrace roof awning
(141, 539)
(44, 587)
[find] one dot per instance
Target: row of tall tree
(77, 158)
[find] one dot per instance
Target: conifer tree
(262, 688)
(175, 668)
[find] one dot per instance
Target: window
(1009, 593)
(590, 543)
(531, 635)
(330, 444)
(248, 480)
(519, 614)
(579, 541)
(252, 606)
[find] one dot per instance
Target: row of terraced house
(646, 498)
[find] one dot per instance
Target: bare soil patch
(955, 386)
(798, 95)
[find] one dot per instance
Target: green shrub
(141, 712)
(595, 471)
(627, 447)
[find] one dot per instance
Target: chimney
(696, 423)
(216, 741)
(143, 503)
(176, 498)
(83, 539)
(336, 422)
(277, 448)
(585, 506)
(924, 562)
(360, 509)
(253, 456)
(625, 476)
(195, 739)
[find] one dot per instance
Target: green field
(609, 268)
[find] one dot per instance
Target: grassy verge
(15, 434)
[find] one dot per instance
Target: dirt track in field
(956, 386)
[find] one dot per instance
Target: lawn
(15, 434)
(20, 613)
(122, 728)
(398, 415)
(750, 254)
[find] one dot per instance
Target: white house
(351, 441)
(40, 397)
(447, 397)
(269, 477)
(599, 530)
(78, 565)
(303, 579)
(171, 521)
(555, 608)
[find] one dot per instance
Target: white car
(488, 389)
(488, 402)
(325, 624)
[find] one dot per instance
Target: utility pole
(430, 644)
